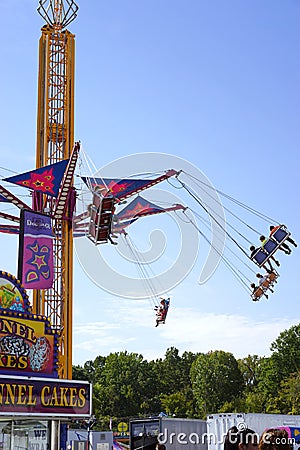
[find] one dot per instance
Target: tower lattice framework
(55, 140)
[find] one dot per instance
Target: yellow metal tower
(55, 141)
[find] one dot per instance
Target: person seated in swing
(254, 250)
(257, 292)
(264, 281)
(283, 246)
(273, 230)
(272, 276)
(161, 311)
(263, 241)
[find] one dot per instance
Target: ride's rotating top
(58, 13)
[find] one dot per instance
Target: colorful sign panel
(35, 397)
(12, 294)
(27, 345)
(36, 261)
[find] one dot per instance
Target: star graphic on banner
(116, 187)
(137, 209)
(43, 182)
(38, 260)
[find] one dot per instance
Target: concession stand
(35, 405)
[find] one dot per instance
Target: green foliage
(121, 384)
(286, 351)
(216, 379)
(250, 368)
(176, 405)
(78, 373)
(195, 384)
(289, 395)
(284, 361)
(254, 402)
(288, 399)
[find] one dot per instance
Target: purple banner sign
(46, 397)
(35, 251)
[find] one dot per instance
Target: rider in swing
(161, 310)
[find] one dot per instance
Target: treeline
(193, 385)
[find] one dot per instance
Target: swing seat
(266, 284)
(263, 254)
(257, 294)
(101, 214)
(260, 257)
(98, 235)
(281, 234)
(162, 315)
(272, 277)
(270, 246)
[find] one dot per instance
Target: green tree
(87, 372)
(216, 379)
(177, 404)
(290, 394)
(121, 385)
(168, 372)
(286, 351)
(284, 361)
(287, 400)
(250, 367)
(78, 373)
(174, 383)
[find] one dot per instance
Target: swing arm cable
(217, 222)
(143, 270)
(229, 265)
(234, 215)
(231, 226)
(207, 224)
(242, 205)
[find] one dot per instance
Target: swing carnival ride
(102, 217)
(100, 213)
(107, 220)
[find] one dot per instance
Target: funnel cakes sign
(44, 396)
(28, 346)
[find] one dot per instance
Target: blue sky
(213, 83)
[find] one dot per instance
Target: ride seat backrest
(265, 283)
(97, 199)
(98, 234)
(93, 214)
(280, 235)
(108, 203)
(258, 292)
(270, 246)
(103, 234)
(260, 257)
(272, 276)
(105, 219)
(92, 230)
